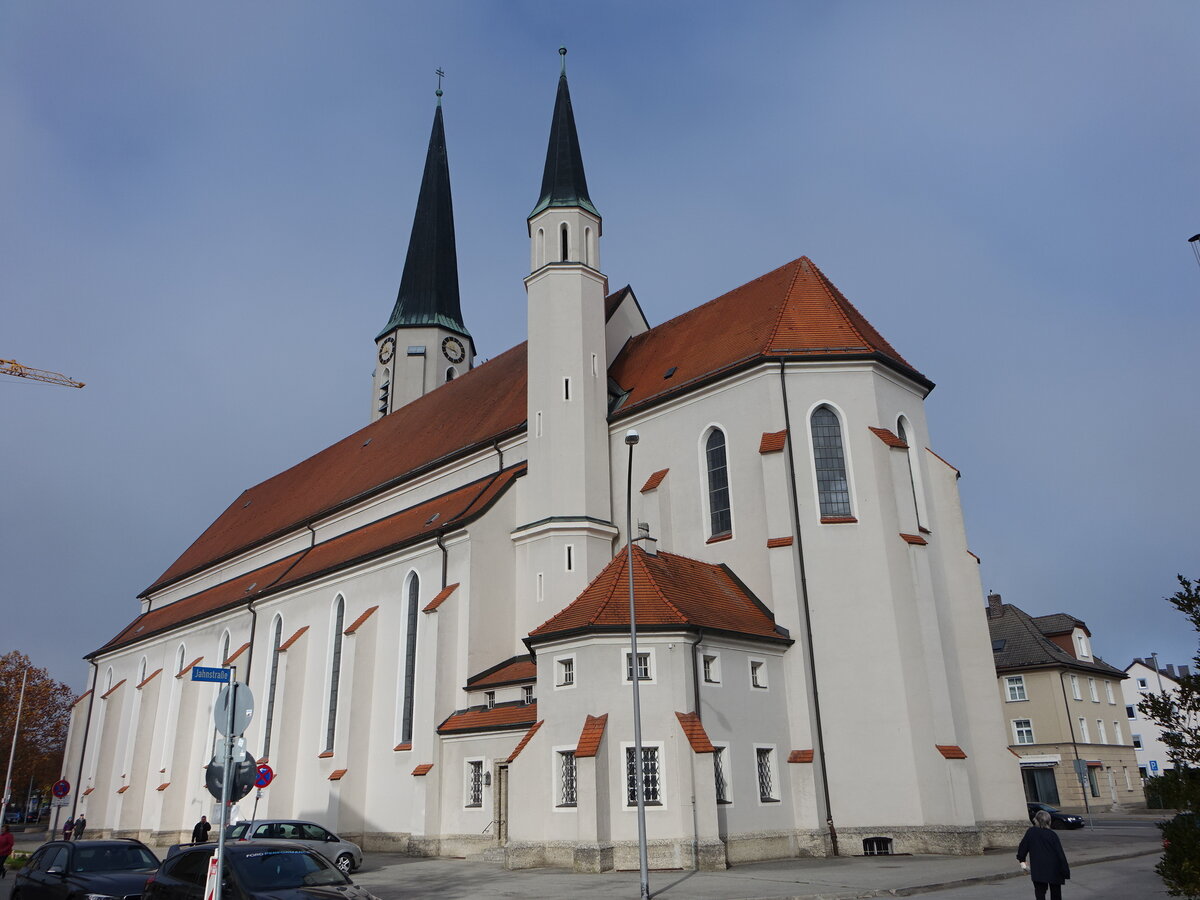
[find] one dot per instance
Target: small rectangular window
(566, 769)
(1075, 688)
(758, 673)
(1141, 683)
(712, 669)
(1100, 732)
(541, 587)
(1108, 693)
(1016, 687)
(643, 667)
(1023, 731)
(1083, 731)
(566, 672)
(566, 388)
(1130, 712)
(595, 365)
(1092, 690)
(489, 698)
(1117, 733)
(1137, 742)
(527, 694)
(570, 557)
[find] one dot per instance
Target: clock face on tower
(387, 350)
(453, 350)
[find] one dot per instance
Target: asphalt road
(1122, 879)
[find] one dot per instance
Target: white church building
(433, 613)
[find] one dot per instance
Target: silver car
(346, 855)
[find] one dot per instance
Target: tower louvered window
(720, 518)
(833, 489)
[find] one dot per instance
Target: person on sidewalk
(1047, 864)
(68, 827)
(6, 845)
(80, 824)
(200, 832)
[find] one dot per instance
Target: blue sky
(206, 209)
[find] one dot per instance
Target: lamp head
(632, 437)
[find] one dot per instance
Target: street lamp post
(631, 438)
(12, 753)
(1157, 673)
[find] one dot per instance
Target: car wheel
(345, 863)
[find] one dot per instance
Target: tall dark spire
(429, 286)
(563, 182)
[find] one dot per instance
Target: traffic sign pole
(228, 773)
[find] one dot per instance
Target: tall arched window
(410, 658)
(902, 433)
(141, 671)
(223, 655)
(587, 248)
(539, 253)
(335, 670)
(719, 516)
(833, 490)
(564, 241)
(273, 679)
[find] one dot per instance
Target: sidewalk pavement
(393, 876)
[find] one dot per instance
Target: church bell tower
(425, 343)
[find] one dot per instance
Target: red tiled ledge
(951, 751)
(800, 756)
(337, 774)
(422, 769)
(914, 539)
(838, 520)
(779, 542)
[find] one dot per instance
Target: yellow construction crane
(12, 367)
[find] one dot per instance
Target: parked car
(254, 870)
(80, 870)
(1058, 818)
(346, 855)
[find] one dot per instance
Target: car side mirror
(331, 838)
(56, 870)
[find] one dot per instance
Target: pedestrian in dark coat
(68, 827)
(1047, 863)
(80, 824)
(200, 832)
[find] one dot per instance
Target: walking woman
(1047, 863)
(6, 845)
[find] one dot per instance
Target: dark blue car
(78, 870)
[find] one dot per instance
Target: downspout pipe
(811, 660)
(696, 674)
(87, 726)
(445, 557)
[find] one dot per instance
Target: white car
(346, 855)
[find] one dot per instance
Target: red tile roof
(694, 730)
(794, 312)
(772, 441)
(670, 592)
(800, 756)
(236, 653)
(654, 480)
(195, 662)
(514, 671)
(357, 623)
(441, 597)
(452, 509)
(914, 539)
(469, 412)
(422, 769)
(888, 438)
(589, 738)
(338, 774)
(112, 690)
(283, 648)
(525, 740)
(500, 717)
(951, 751)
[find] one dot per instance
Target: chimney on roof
(647, 543)
(994, 606)
(1184, 672)
(1170, 670)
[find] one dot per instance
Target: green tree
(1178, 715)
(45, 715)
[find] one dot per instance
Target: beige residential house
(1065, 711)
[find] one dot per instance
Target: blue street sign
(210, 673)
(1154, 765)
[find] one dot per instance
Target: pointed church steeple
(425, 342)
(429, 286)
(563, 181)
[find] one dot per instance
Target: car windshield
(113, 859)
(261, 870)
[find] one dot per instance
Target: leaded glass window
(719, 774)
(833, 489)
(567, 795)
(720, 518)
(650, 775)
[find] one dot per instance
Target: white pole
(12, 753)
(227, 776)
